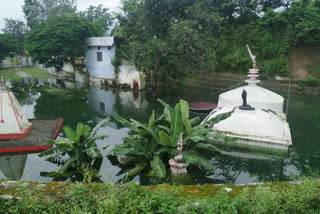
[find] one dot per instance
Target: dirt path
(21, 73)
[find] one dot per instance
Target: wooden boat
(202, 107)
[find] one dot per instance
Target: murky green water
(76, 102)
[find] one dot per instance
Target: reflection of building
(100, 52)
(133, 99)
(101, 101)
(13, 166)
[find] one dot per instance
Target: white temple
(263, 125)
(13, 122)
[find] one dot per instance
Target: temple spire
(254, 71)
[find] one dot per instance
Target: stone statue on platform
(245, 105)
(176, 165)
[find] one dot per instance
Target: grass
(9, 73)
(277, 197)
(36, 72)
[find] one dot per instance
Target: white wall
(102, 69)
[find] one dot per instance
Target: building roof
(99, 41)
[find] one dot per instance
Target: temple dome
(13, 122)
(257, 97)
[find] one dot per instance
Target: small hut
(100, 52)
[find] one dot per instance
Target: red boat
(202, 106)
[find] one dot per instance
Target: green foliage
(7, 45)
(17, 29)
(132, 198)
(221, 203)
(38, 11)
(60, 40)
(302, 198)
(150, 146)
(193, 36)
(99, 16)
(84, 156)
(310, 82)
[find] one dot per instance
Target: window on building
(89, 47)
(109, 47)
(102, 107)
(99, 56)
(98, 47)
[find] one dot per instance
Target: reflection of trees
(229, 168)
(71, 105)
(23, 93)
(304, 120)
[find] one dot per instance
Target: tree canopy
(17, 29)
(7, 45)
(37, 11)
(60, 39)
(173, 37)
(98, 15)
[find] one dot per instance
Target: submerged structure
(13, 122)
(17, 134)
(257, 117)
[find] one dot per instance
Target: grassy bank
(9, 73)
(278, 197)
(36, 72)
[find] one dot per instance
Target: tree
(7, 45)
(60, 40)
(98, 15)
(17, 29)
(146, 25)
(37, 11)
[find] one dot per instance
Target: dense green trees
(99, 16)
(60, 40)
(8, 45)
(178, 37)
(37, 11)
(17, 29)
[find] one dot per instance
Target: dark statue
(245, 105)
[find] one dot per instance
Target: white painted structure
(100, 52)
(129, 74)
(13, 122)
(265, 126)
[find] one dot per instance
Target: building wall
(101, 69)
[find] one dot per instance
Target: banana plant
(78, 153)
(150, 146)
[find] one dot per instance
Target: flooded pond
(76, 102)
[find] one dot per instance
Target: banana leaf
(138, 168)
(207, 147)
(98, 126)
(166, 140)
(158, 167)
(125, 122)
(71, 135)
(185, 116)
(194, 157)
(176, 125)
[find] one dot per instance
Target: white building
(100, 52)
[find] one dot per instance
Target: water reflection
(12, 166)
(43, 98)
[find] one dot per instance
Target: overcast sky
(13, 8)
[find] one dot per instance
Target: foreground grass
(9, 73)
(132, 198)
(36, 72)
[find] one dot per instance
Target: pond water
(76, 102)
